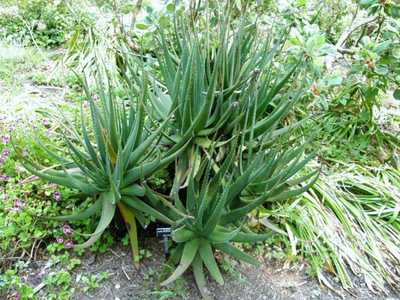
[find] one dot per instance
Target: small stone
(316, 293)
(117, 286)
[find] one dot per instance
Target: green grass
(347, 223)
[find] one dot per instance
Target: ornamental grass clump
(347, 224)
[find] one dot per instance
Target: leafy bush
(225, 94)
(216, 83)
(40, 22)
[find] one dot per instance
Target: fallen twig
(126, 274)
(39, 287)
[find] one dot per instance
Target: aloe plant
(213, 79)
(227, 100)
(218, 82)
(109, 159)
(213, 212)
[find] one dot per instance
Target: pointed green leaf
(236, 253)
(207, 256)
(189, 252)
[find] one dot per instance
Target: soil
(273, 280)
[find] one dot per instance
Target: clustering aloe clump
(217, 201)
(218, 102)
(216, 82)
(109, 160)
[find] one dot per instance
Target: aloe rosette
(109, 159)
(218, 82)
(213, 212)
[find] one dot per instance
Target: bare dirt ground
(273, 280)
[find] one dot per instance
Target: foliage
(15, 60)
(217, 97)
(60, 285)
(93, 281)
(216, 205)
(11, 285)
(221, 91)
(354, 69)
(220, 82)
(347, 222)
(40, 22)
(112, 157)
(26, 201)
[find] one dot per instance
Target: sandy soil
(273, 280)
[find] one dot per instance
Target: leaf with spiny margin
(198, 273)
(134, 190)
(275, 195)
(268, 122)
(189, 252)
(142, 206)
(222, 234)
(161, 102)
(236, 253)
(244, 179)
(61, 179)
(274, 91)
(182, 234)
(88, 145)
(107, 214)
(207, 256)
(216, 213)
(90, 211)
